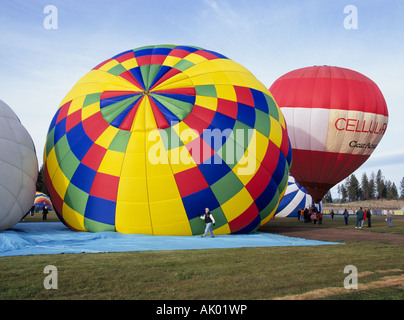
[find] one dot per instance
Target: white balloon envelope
(18, 168)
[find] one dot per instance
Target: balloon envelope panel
(18, 168)
(295, 198)
(151, 137)
(41, 199)
(336, 117)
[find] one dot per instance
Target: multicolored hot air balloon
(41, 199)
(295, 198)
(148, 139)
(335, 117)
(18, 168)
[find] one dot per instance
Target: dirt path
(384, 282)
(329, 234)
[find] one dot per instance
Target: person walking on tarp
(208, 217)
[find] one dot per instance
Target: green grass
(241, 273)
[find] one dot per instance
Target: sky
(42, 58)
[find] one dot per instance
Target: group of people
(310, 214)
(45, 211)
(361, 216)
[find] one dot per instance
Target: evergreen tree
(344, 193)
(353, 188)
(394, 191)
(387, 191)
(372, 186)
(402, 188)
(383, 194)
(40, 183)
(380, 187)
(391, 191)
(365, 186)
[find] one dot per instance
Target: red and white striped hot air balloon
(335, 118)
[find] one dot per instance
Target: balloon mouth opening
(146, 92)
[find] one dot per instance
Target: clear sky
(38, 66)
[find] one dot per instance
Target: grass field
(244, 273)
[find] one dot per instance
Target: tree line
(369, 188)
(40, 182)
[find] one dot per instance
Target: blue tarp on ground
(31, 238)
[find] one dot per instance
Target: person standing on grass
(306, 215)
(301, 214)
(314, 216)
(364, 218)
(368, 214)
(346, 215)
(389, 216)
(359, 217)
(44, 212)
(320, 217)
(209, 220)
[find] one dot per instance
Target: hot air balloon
(336, 117)
(149, 138)
(18, 168)
(42, 199)
(295, 198)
